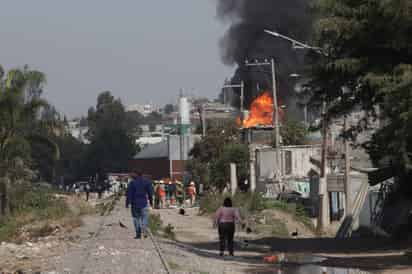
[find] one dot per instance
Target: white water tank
(184, 111)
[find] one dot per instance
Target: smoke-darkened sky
(142, 50)
(245, 39)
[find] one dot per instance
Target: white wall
(300, 161)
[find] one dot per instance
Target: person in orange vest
(161, 194)
(191, 191)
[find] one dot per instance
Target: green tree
(134, 120)
(153, 119)
(368, 48)
(220, 169)
(112, 144)
(20, 106)
(70, 163)
(293, 133)
(169, 108)
(213, 154)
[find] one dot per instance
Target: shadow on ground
(316, 245)
(372, 262)
(374, 248)
(210, 250)
(331, 245)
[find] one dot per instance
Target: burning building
(245, 39)
(261, 112)
(257, 123)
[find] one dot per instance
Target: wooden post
(252, 170)
(233, 179)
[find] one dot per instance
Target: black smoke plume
(246, 40)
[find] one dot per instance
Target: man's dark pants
(140, 220)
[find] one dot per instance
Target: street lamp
(296, 44)
(322, 180)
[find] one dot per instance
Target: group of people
(167, 194)
(140, 194)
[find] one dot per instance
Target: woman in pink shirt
(225, 219)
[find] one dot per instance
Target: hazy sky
(141, 50)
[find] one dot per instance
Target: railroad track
(159, 253)
(105, 212)
(90, 248)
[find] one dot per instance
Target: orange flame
(261, 112)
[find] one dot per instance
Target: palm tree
(20, 105)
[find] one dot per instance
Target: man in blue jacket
(139, 192)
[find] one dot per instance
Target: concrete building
(149, 140)
(295, 168)
(144, 109)
(165, 159)
(295, 165)
(78, 132)
(300, 174)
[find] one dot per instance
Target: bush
(36, 207)
(155, 224)
(245, 201)
(41, 231)
(8, 229)
(210, 202)
(169, 232)
(85, 208)
(250, 202)
(297, 211)
(25, 196)
(56, 209)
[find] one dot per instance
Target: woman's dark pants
(226, 234)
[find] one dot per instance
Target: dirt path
(102, 246)
(110, 248)
(199, 241)
(196, 246)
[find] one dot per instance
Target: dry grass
(58, 213)
(41, 231)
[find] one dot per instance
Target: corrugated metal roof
(159, 150)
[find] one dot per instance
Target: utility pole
(323, 177)
(202, 117)
(203, 113)
(275, 110)
(323, 208)
(276, 117)
(252, 163)
(305, 114)
(348, 203)
(242, 99)
(233, 179)
(242, 96)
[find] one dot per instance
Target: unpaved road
(102, 246)
(196, 246)
(110, 248)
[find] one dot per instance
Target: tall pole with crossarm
(275, 110)
(322, 218)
